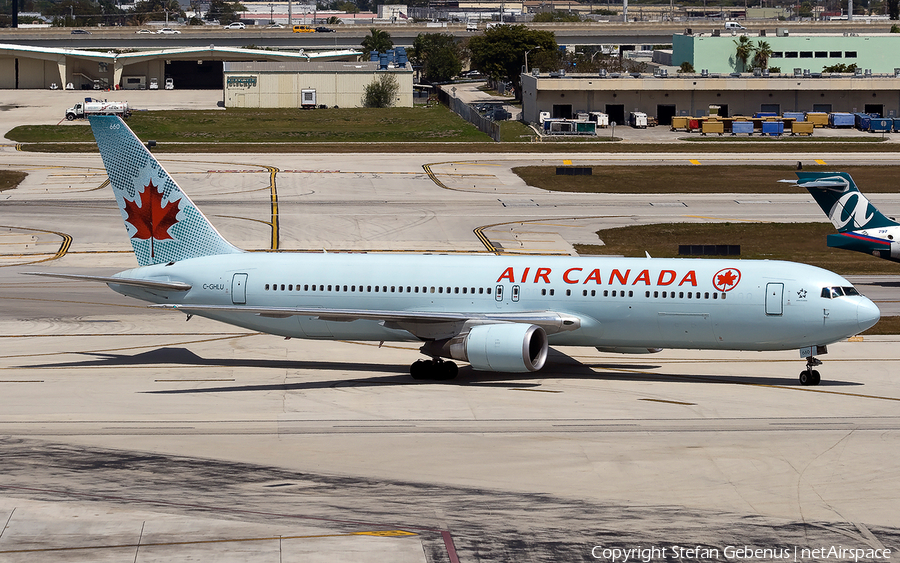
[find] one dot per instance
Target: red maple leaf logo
(148, 215)
(727, 279)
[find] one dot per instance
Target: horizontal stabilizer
(146, 284)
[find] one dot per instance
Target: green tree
(439, 55)
(557, 16)
(761, 54)
(840, 67)
(500, 51)
(742, 52)
(377, 40)
(334, 20)
(686, 68)
(225, 12)
(381, 92)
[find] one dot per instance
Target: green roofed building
(876, 52)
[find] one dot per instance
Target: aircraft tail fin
(163, 223)
(843, 203)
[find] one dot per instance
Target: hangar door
(191, 75)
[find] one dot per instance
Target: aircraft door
(774, 299)
(498, 293)
(239, 289)
(515, 293)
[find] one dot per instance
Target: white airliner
(498, 313)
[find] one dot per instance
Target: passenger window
(291, 287)
(543, 292)
(440, 290)
(306, 287)
(593, 293)
(267, 287)
(584, 293)
(655, 294)
(631, 294)
(664, 294)
(568, 293)
(488, 290)
(393, 287)
(345, 288)
(329, 288)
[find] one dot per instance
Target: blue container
(795, 115)
(881, 125)
(765, 114)
(741, 127)
(862, 121)
(841, 120)
(897, 125)
(773, 128)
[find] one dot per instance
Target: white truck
(97, 107)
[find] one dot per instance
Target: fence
(487, 126)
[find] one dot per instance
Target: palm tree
(744, 50)
(377, 40)
(761, 54)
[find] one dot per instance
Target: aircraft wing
(550, 321)
(146, 284)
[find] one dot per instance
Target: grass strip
(9, 179)
(698, 179)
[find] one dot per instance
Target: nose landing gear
(809, 376)
(436, 369)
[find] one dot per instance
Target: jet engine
(503, 347)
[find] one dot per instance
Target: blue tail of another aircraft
(163, 223)
(841, 200)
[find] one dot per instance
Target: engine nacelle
(895, 250)
(507, 347)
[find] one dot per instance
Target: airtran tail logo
(852, 209)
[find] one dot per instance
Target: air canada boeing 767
(498, 313)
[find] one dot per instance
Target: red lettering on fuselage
(643, 276)
(689, 277)
(594, 275)
(667, 281)
(507, 275)
(542, 273)
(618, 274)
(566, 275)
(525, 275)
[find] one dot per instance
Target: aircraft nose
(867, 314)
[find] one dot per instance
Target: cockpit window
(837, 291)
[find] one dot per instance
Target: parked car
(80, 32)
(235, 25)
(274, 26)
(168, 31)
(302, 29)
(141, 31)
(323, 29)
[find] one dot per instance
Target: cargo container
(741, 127)
(764, 114)
(600, 118)
(638, 119)
(881, 125)
(840, 119)
(862, 121)
(818, 119)
(773, 128)
(712, 126)
(802, 128)
(585, 127)
(795, 115)
(679, 123)
(897, 125)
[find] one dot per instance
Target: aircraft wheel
(805, 377)
(447, 370)
(419, 369)
(816, 378)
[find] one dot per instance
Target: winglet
(163, 223)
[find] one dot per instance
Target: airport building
(25, 67)
(693, 94)
(309, 84)
(717, 53)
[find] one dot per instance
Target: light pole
(526, 57)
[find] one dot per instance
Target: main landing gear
(809, 376)
(436, 369)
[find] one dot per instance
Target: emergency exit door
(774, 298)
(239, 289)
